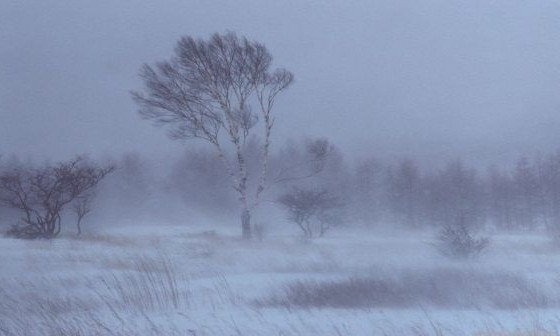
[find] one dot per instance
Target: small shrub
(314, 211)
(21, 231)
(42, 194)
(456, 241)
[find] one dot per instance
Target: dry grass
(42, 307)
(442, 288)
(152, 285)
(205, 284)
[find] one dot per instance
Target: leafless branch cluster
(456, 240)
(315, 212)
(41, 194)
(208, 91)
(208, 86)
(82, 207)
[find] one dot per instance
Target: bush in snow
(314, 211)
(455, 240)
(42, 195)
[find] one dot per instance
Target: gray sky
(477, 78)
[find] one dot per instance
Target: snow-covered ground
(180, 281)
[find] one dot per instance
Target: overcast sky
(478, 79)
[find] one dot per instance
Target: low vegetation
(42, 194)
(439, 288)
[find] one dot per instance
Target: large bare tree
(218, 90)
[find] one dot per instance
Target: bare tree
(82, 207)
(548, 195)
(42, 194)
(405, 192)
(369, 185)
(312, 210)
(208, 91)
(526, 192)
(501, 198)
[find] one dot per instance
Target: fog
(395, 171)
(430, 79)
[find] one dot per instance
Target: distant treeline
(525, 196)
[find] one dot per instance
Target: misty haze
(284, 168)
